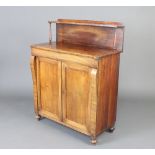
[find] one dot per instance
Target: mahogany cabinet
(75, 79)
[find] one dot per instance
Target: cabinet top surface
(79, 50)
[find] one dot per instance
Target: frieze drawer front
(75, 79)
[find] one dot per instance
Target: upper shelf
(90, 22)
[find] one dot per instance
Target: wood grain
(78, 50)
(113, 90)
(65, 57)
(49, 79)
(103, 90)
(99, 34)
(107, 92)
(93, 102)
(34, 78)
(75, 83)
(75, 80)
(90, 22)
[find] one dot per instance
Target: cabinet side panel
(103, 92)
(113, 90)
(107, 92)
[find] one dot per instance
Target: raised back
(90, 33)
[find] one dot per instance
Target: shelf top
(78, 50)
(90, 22)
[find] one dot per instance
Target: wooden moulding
(65, 57)
(90, 22)
(34, 78)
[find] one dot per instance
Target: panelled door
(77, 96)
(49, 88)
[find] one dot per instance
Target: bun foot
(111, 130)
(38, 117)
(93, 140)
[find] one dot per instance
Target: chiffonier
(75, 78)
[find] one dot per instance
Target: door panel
(49, 84)
(76, 82)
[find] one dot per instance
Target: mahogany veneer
(75, 79)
